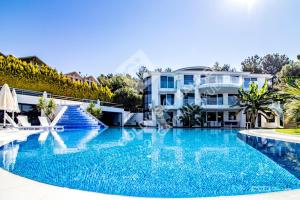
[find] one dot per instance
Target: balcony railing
(232, 80)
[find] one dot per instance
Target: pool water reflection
(148, 162)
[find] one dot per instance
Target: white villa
(214, 91)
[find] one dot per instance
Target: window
(215, 79)
(232, 99)
(189, 99)
(234, 79)
(211, 99)
(271, 118)
(214, 99)
(167, 82)
(202, 79)
(203, 99)
(220, 99)
(247, 81)
(211, 116)
(232, 115)
(147, 96)
(147, 116)
(188, 79)
(211, 79)
(166, 99)
(219, 79)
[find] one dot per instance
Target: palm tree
(191, 115)
(292, 89)
(48, 107)
(256, 101)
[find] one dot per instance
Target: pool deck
(12, 134)
(14, 187)
(272, 134)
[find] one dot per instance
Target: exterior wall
(33, 100)
(229, 85)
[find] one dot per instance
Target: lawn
(293, 131)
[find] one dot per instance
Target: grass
(293, 131)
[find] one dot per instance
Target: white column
(197, 93)
(225, 98)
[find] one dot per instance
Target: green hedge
(19, 74)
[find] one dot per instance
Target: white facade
(214, 91)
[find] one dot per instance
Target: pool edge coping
(271, 134)
(13, 186)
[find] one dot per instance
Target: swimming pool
(149, 163)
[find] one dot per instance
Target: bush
(96, 112)
(20, 74)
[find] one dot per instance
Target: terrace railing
(49, 95)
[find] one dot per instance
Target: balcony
(220, 83)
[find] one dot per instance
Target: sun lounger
(23, 121)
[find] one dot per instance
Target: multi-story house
(75, 76)
(215, 91)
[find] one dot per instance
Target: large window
(189, 99)
(147, 98)
(247, 82)
(232, 115)
(232, 99)
(215, 79)
(188, 79)
(235, 79)
(167, 82)
(202, 79)
(166, 99)
(31, 112)
(216, 99)
(211, 116)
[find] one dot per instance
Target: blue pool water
(149, 163)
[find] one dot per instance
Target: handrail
(58, 116)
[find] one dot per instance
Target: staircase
(75, 118)
(133, 119)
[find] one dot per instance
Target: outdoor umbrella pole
(4, 119)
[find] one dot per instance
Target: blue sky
(100, 36)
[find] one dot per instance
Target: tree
(252, 64)
(298, 57)
(225, 67)
(191, 115)
(48, 107)
(96, 112)
(273, 63)
(168, 69)
(142, 70)
(119, 81)
(256, 101)
(129, 97)
(289, 70)
(158, 70)
(24, 75)
(292, 89)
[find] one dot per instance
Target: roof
(91, 77)
(34, 59)
(73, 73)
(194, 68)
